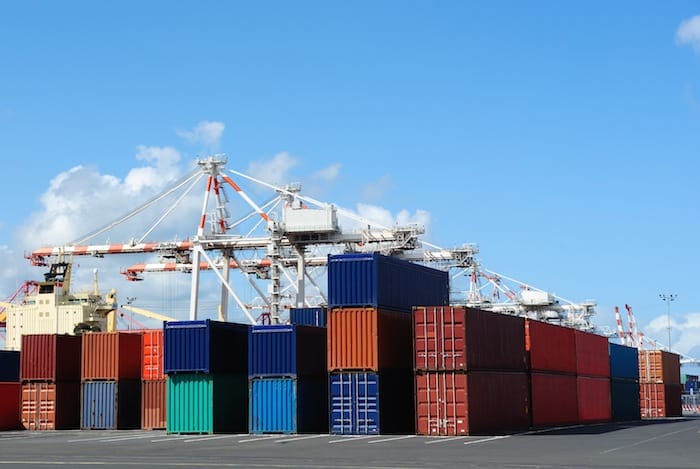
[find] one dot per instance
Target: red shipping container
(459, 403)
(592, 356)
(369, 339)
(153, 404)
(659, 366)
(553, 399)
(111, 356)
(152, 355)
(660, 400)
(467, 339)
(593, 399)
(51, 406)
(50, 357)
(552, 348)
(10, 399)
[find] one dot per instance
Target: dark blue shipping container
(110, 405)
(308, 316)
(624, 361)
(691, 387)
(624, 400)
(289, 405)
(286, 350)
(378, 281)
(364, 403)
(205, 346)
(9, 366)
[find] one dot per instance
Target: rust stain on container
(111, 356)
(153, 408)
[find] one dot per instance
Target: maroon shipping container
(660, 400)
(50, 357)
(592, 356)
(659, 366)
(153, 404)
(10, 398)
(553, 399)
(551, 348)
(51, 406)
(593, 399)
(459, 403)
(111, 356)
(467, 339)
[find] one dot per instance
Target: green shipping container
(204, 403)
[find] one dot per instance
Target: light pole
(668, 298)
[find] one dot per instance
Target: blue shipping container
(624, 400)
(286, 350)
(379, 281)
(363, 403)
(111, 405)
(9, 366)
(308, 316)
(691, 387)
(624, 362)
(289, 405)
(205, 346)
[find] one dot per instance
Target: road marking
(97, 438)
(391, 439)
(124, 438)
(493, 438)
(172, 438)
(209, 437)
(345, 439)
(643, 441)
(553, 429)
(262, 438)
(308, 437)
(442, 440)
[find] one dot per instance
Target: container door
(354, 403)
(99, 405)
(273, 405)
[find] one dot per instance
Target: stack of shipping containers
(152, 380)
(10, 390)
(660, 383)
(592, 377)
(624, 382)
(110, 380)
(50, 372)
(370, 346)
(206, 363)
(471, 374)
(288, 379)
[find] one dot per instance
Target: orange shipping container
(153, 404)
(51, 406)
(660, 400)
(369, 339)
(658, 366)
(111, 356)
(152, 355)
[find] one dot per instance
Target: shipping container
(205, 346)
(458, 338)
(308, 316)
(10, 405)
(111, 405)
(624, 362)
(205, 403)
(691, 387)
(553, 399)
(369, 339)
(9, 366)
(593, 394)
(286, 350)
(51, 357)
(289, 405)
(377, 281)
(365, 403)
(457, 403)
(592, 355)
(111, 356)
(624, 399)
(50, 406)
(153, 404)
(152, 358)
(685, 378)
(660, 400)
(659, 366)
(551, 348)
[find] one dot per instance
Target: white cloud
(383, 217)
(376, 190)
(208, 133)
(275, 170)
(327, 174)
(685, 332)
(163, 170)
(688, 33)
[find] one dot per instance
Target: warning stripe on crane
(126, 248)
(246, 198)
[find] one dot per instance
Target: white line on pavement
(391, 439)
(486, 440)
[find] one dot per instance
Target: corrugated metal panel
(51, 357)
(51, 406)
(9, 366)
(205, 346)
(624, 399)
(111, 356)
(10, 404)
(308, 316)
(384, 282)
(153, 404)
(593, 399)
(660, 400)
(286, 350)
(110, 404)
(553, 399)
(273, 405)
(369, 339)
(592, 357)
(452, 338)
(152, 355)
(658, 366)
(459, 403)
(551, 348)
(624, 361)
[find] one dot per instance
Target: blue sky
(561, 137)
